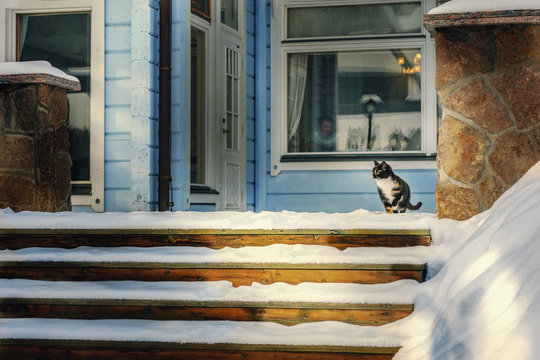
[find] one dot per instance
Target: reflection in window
(355, 20)
(64, 41)
(229, 13)
(354, 101)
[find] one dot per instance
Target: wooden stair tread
(286, 313)
(238, 273)
(70, 349)
(214, 239)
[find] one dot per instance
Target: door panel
(233, 181)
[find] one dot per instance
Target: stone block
(517, 43)
(520, 88)
(473, 101)
(16, 191)
(42, 116)
(513, 156)
(491, 189)
(46, 199)
(59, 107)
(45, 145)
(454, 202)
(63, 177)
(456, 59)
(24, 109)
(44, 95)
(17, 153)
(461, 150)
(61, 139)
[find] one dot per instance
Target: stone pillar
(488, 82)
(35, 164)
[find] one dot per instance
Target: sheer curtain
(298, 64)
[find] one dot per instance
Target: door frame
(215, 84)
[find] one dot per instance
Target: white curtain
(296, 90)
(23, 26)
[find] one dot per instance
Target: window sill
(348, 161)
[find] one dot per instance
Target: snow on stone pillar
(35, 164)
(488, 82)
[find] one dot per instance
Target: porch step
(97, 350)
(354, 304)
(256, 314)
(237, 273)
(214, 239)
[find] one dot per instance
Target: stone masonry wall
(488, 81)
(35, 164)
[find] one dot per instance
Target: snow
(398, 292)
(481, 301)
(465, 6)
(360, 219)
(33, 67)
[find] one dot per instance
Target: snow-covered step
(130, 339)
(237, 273)
(281, 303)
(210, 238)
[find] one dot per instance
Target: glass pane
(198, 106)
(229, 13)
(354, 20)
(64, 41)
(354, 101)
(233, 99)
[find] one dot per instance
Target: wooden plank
(238, 276)
(280, 312)
(79, 349)
(215, 239)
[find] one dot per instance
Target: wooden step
(214, 239)
(237, 273)
(26, 349)
(286, 313)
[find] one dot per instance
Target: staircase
(167, 294)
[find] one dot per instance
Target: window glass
(354, 101)
(198, 106)
(356, 20)
(64, 41)
(229, 13)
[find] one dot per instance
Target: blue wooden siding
(117, 105)
(313, 191)
(178, 104)
(131, 66)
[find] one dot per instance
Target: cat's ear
(384, 164)
(376, 162)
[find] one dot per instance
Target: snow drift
(484, 303)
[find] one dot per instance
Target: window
(351, 81)
(70, 35)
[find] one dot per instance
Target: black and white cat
(393, 191)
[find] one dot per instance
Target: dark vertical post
(164, 176)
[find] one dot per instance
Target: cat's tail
(414, 207)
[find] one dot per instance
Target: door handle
(226, 131)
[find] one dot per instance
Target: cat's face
(381, 170)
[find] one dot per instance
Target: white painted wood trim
(8, 13)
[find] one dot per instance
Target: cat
(393, 191)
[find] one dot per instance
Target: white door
(232, 124)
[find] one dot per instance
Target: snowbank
(33, 67)
(465, 6)
(485, 301)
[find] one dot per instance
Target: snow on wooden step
(328, 333)
(398, 292)
(278, 253)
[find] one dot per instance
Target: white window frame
(9, 9)
(279, 52)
